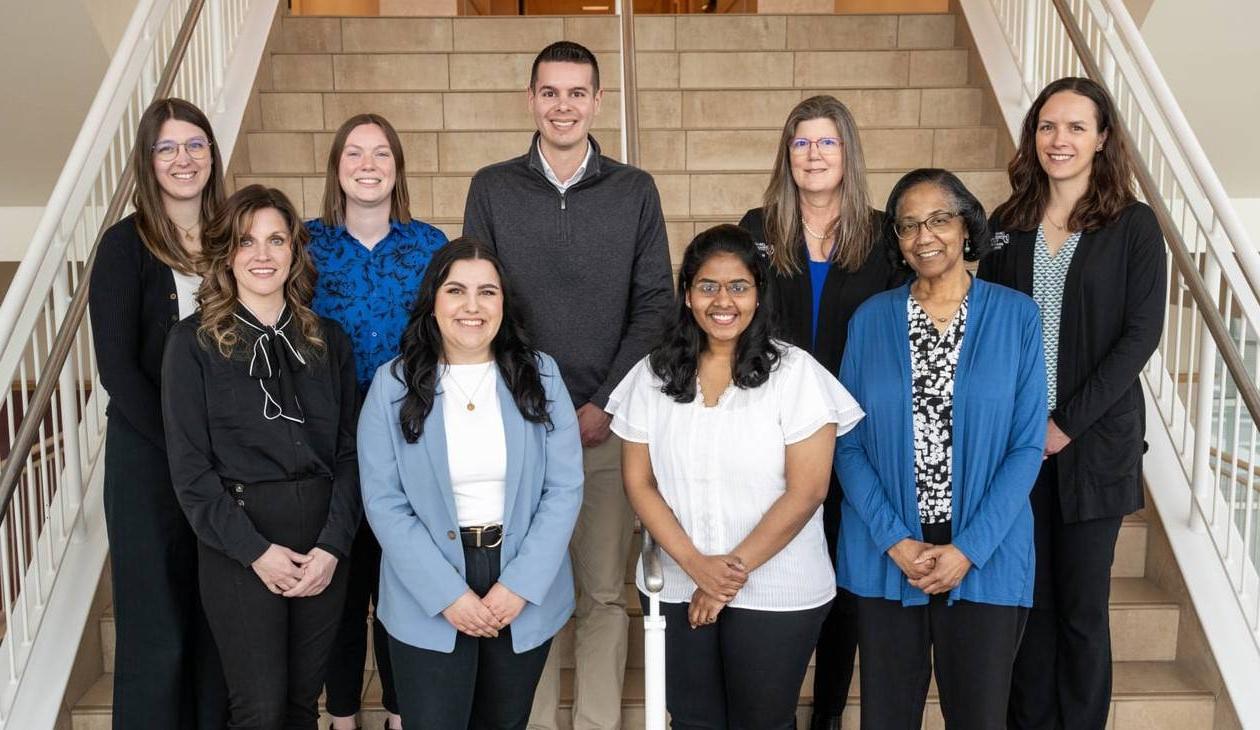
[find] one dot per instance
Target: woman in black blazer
(166, 669)
(822, 236)
(1093, 258)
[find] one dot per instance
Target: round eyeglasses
(936, 223)
(167, 150)
(826, 145)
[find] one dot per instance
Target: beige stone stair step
(1146, 696)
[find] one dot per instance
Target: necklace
(454, 381)
(1056, 225)
(810, 231)
(188, 232)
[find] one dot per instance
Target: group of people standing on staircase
(839, 431)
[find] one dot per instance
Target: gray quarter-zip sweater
(590, 266)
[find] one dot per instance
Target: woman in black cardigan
(166, 669)
(260, 401)
(1093, 258)
(821, 234)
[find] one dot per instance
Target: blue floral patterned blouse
(370, 292)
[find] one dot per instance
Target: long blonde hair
(218, 294)
(156, 229)
(854, 227)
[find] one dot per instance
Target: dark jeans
(838, 639)
(343, 684)
(166, 666)
(971, 646)
(743, 671)
(274, 649)
(1063, 671)
(482, 685)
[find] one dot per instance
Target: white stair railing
(1201, 383)
(52, 416)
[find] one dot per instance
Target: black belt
(489, 536)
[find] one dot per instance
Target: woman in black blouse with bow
(259, 397)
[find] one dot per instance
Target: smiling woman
(470, 433)
(143, 282)
(259, 399)
(371, 255)
(726, 457)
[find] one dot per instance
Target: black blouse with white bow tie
(275, 411)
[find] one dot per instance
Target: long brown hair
(156, 229)
(335, 198)
(1110, 188)
(853, 228)
(218, 294)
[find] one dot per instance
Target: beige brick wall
(713, 93)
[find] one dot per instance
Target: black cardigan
(1112, 318)
(133, 306)
(843, 292)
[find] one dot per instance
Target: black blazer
(844, 291)
(133, 305)
(1112, 317)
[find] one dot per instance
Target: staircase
(713, 94)
(1153, 690)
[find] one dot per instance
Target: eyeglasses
(826, 145)
(734, 288)
(198, 148)
(936, 223)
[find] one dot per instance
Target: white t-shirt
(186, 286)
(721, 468)
(476, 450)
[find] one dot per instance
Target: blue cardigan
(408, 500)
(999, 436)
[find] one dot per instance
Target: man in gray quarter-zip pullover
(582, 240)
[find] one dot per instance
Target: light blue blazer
(407, 498)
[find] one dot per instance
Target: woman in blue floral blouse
(371, 255)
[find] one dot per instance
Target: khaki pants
(601, 542)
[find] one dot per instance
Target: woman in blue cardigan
(471, 469)
(936, 533)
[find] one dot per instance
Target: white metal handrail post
(653, 637)
(1201, 475)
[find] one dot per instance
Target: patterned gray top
(933, 362)
(1049, 275)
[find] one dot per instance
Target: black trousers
(274, 649)
(971, 646)
(482, 685)
(742, 672)
(343, 684)
(838, 640)
(1063, 672)
(166, 666)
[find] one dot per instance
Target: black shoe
(824, 722)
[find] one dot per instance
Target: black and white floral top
(933, 362)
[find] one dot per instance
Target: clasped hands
(930, 568)
(718, 578)
(295, 575)
(484, 617)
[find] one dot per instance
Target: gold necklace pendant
(470, 406)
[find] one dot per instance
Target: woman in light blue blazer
(936, 531)
(471, 469)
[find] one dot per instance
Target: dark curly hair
(676, 360)
(421, 349)
(979, 240)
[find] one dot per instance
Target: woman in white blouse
(729, 438)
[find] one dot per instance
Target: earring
(1098, 149)
(967, 246)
